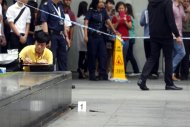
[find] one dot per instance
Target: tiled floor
(124, 105)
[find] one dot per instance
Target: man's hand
(27, 60)
(179, 40)
(23, 39)
(43, 61)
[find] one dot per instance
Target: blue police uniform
(96, 44)
(56, 30)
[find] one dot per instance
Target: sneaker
(134, 74)
(153, 76)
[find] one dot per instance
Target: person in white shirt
(81, 45)
(19, 28)
(67, 21)
(68, 25)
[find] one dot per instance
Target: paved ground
(124, 105)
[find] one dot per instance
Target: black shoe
(142, 85)
(153, 76)
(173, 87)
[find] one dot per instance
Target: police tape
(92, 29)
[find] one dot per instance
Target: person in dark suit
(161, 26)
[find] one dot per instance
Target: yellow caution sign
(118, 71)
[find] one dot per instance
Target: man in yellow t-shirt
(38, 53)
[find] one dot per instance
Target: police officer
(55, 27)
(96, 18)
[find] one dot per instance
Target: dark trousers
(183, 67)
(4, 48)
(82, 61)
(58, 47)
(156, 46)
(30, 39)
(130, 57)
(125, 50)
(97, 51)
(15, 43)
(147, 48)
(185, 61)
(109, 46)
(8, 37)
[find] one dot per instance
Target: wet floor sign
(118, 71)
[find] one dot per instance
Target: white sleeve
(28, 15)
(1, 10)
(9, 14)
(67, 21)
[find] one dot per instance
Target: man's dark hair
(82, 8)
(42, 37)
(32, 5)
(94, 4)
(110, 1)
(118, 5)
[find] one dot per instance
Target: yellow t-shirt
(29, 52)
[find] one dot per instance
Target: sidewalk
(124, 105)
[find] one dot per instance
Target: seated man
(38, 53)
